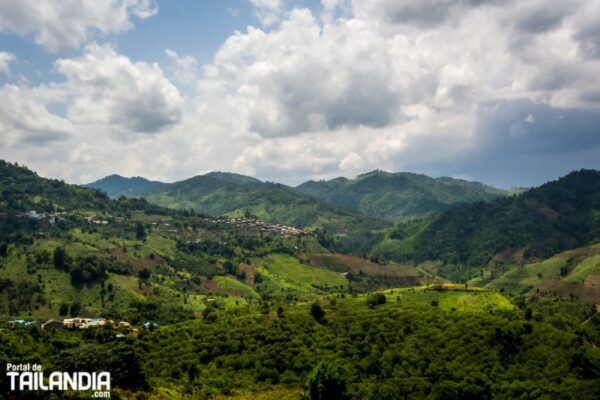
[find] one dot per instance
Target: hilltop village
(282, 229)
(263, 226)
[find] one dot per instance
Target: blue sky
(191, 27)
(196, 28)
(502, 91)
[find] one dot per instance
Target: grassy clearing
(586, 261)
(520, 279)
(45, 245)
(231, 284)
(589, 266)
(75, 249)
(454, 298)
(161, 245)
(271, 289)
(347, 263)
(289, 273)
(95, 240)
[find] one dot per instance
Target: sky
(506, 92)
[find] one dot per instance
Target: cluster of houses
(80, 323)
(51, 218)
(263, 226)
(281, 229)
(54, 217)
(164, 225)
(92, 220)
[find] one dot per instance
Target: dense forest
(349, 351)
(399, 196)
(541, 222)
(378, 195)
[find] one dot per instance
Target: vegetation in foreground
(405, 347)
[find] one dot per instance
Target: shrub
(317, 312)
(327, 381)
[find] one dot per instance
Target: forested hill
(23, 190)
(116, 186)
(381, 195)
(235, 195)
(221, 193)
(559, 215)
(398, 196)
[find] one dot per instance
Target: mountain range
(400, 196)
(381, 195)
(461, 241)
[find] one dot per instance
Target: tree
(264, 308)
(228, 267)
(3, 249)
(60, 258)
(317, 312)
(75, 309)
(140, 232)
(376, 299)
(63, 310)
(144, 274)
(193, 371)
(327, 382)
(88, 271)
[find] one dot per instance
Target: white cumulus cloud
(184, 68)
(482, 88)
(108, 88)
(5, 60)
(65, 24)
(268, 11)
(25, 118)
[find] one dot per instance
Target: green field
(231, 284)
(576, 265)
(589, 266)
(288, 273)
(451, 299)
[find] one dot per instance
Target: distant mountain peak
(233, 177)
(395, 196)
(120, 178)
(375, 172)
(116, 186)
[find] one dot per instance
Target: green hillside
(339, 205)
(116, 186)
(289, 273)
(239, 308)
(23, 190)
(220, 194)
(570, 274)
(537, 224)
(399, 196)
(80, 253)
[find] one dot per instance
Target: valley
(250, 290)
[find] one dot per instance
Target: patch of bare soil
(250, 271)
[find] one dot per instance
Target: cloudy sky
(502, 91)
